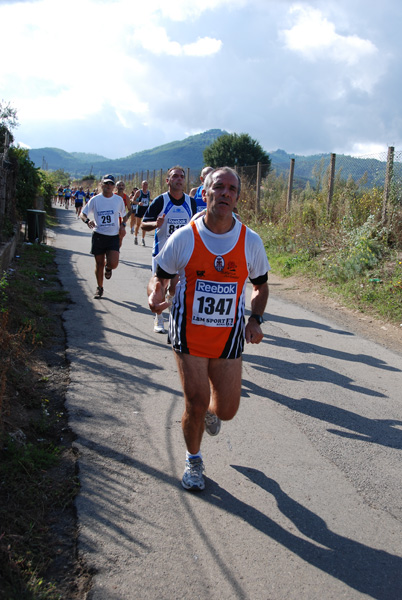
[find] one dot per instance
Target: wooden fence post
(331, 181)
(290, 184)
(258, 190)
(387, 183)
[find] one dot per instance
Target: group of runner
(201, 260)
(69, 196)
(136, 203)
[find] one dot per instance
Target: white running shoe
(159, 324)
(143, 241)
(192, 477)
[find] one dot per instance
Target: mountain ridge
(189, 153)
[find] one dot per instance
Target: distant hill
(85, 157)
(52, 158)
(369, 171)
(189, 154)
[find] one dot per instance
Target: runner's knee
(196, 405)
(225, 412)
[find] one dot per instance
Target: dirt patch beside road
(311, 295)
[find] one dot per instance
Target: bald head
(205, 172)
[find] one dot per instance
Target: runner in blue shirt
(79, 197)
(67, 195)
(196, 193)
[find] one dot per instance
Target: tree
(29, 180)
(90, 177)
(236, 150)
(46, 189)
(8, 121)
(59, 177)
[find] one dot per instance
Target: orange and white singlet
(207, 317)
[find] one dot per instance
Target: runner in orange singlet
(214, 256)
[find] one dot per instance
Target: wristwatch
(258, 318)
(87, 221)
(123, 223)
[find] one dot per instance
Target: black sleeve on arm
(153, 209)
(162, 274)
(194, 206)
(259, 280)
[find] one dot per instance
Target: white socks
(198, 455)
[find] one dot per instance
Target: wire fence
(366, 171)
(301, 173)
(332, 177)
(288, 181)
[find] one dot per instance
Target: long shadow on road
(370, 571)
(307, 371)
(306, 323)
(384, 432)
(308, 348)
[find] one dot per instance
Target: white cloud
(22, 145)
(155, 40)
(183, 10)
(62, 71)
(367, 148)
(308, 76)
(316, 38)
(202, 47)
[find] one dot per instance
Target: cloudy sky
(119, 76)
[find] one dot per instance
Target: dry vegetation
(38, 479)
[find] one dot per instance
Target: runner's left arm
(259, 299)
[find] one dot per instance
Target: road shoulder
(311, 295)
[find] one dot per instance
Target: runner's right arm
(151, 219)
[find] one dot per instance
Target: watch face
(258, 318)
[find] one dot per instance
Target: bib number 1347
(214, 304)
(210, 305)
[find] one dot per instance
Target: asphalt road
(303, 487)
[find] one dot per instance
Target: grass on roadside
(32, 421)
(359, 266)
